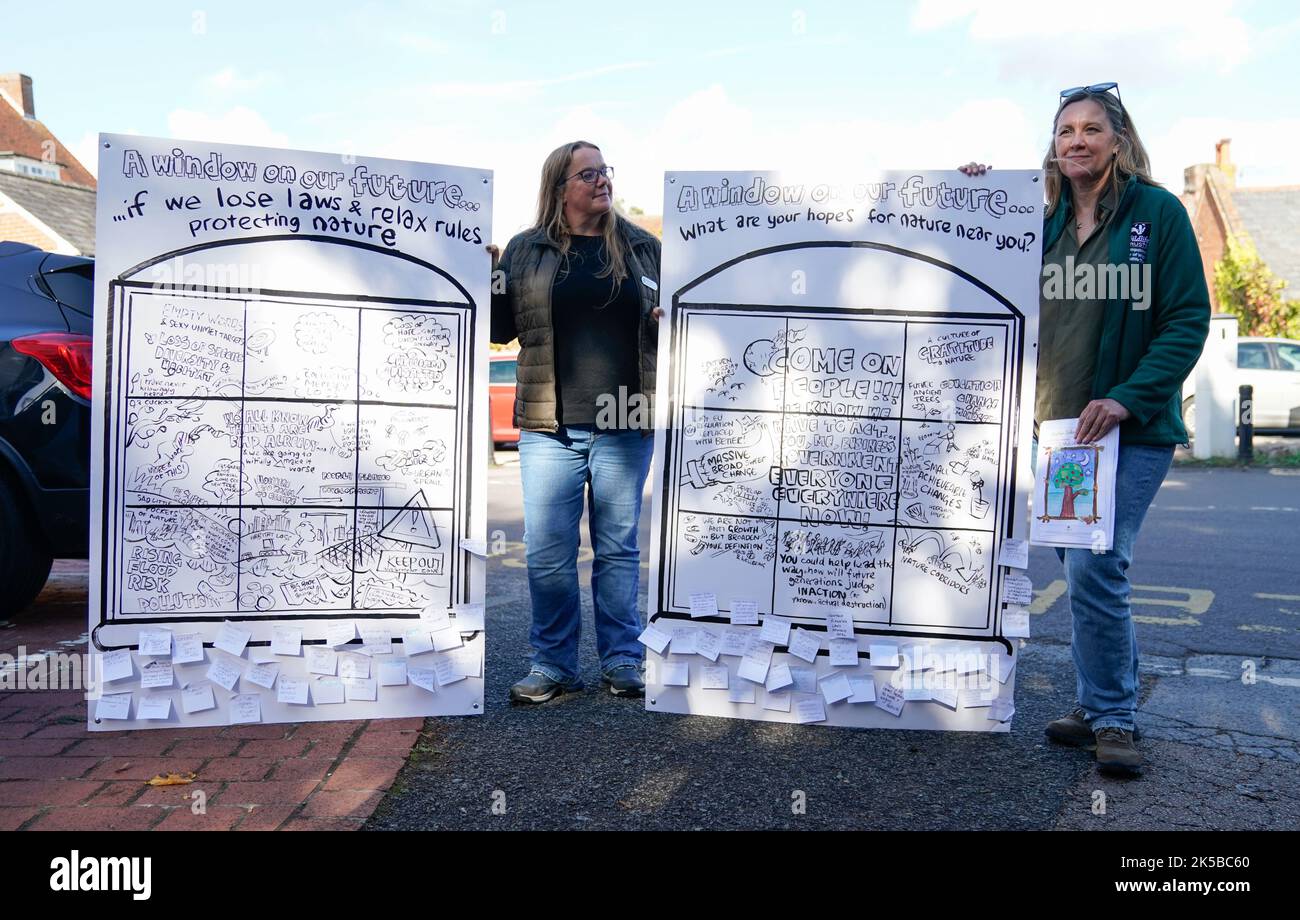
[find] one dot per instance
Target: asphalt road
(1218, 607)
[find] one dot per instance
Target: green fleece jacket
(1145, 354)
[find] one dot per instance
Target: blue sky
(667, 84)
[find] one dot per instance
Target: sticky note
(475, 547)
(187, 649)
(1014, 553)
(1017, 589)
(231, 639)
(375, 639)
(435, 619)
(157, 674)
(1001, 711)
(155, 707)
(714, 677)
(326, 691)
(844, 653)
(444, 668)
(292, 690)
(1015, 623)
(734, 642)
(117, 665)
(976, 699)
(224, 673)
(945, 696)
(468, 660)
(704, 605)
(444, 640)
(839, 625)
(363, 689)
(884, 655)
(776, 631)
(654, 638)
(740, 692)
(1000, 666)
(263, 675)
(779, 677)
(286, 640)
(864, 690)
(392, 673)
(198, 698)
(322, 660)
(675, 673)
(889, 698)
(809, 709)
(777, 702)
(753, 667)
(353, 666)
(708, 642)
(340, 632)
(836, 687)
(469, 617)
(116, 706)
(805, 679)
(154, 642)
(683, 640)
(245, 708)
(744, 613)
(416, 642)
(424, 678)
(805, 644)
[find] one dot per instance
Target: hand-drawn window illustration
(846, 446)
(285, 453)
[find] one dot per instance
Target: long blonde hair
(1130, 160)
(550, 211)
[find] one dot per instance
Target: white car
(1272, 367)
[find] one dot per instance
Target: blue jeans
(1103, 640)
(557, 471)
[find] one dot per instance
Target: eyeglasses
(1096, 88)
(589, 175)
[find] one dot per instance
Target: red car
(501, 386)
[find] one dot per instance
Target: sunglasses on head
(1095, 89)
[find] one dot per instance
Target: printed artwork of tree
(1068, 478)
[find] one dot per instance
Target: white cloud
(1255, 146)
(229, 81)
(239, 125)
(86, 150)
(1100, 40)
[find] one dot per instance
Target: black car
(45, 357)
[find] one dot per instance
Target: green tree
(1247, 288)
(1068, 478)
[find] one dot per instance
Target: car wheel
(24, 560)
(1189, 415)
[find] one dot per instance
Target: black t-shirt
(595, 324)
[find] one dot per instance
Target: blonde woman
(580, 291)
(1117, 359)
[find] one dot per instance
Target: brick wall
(17, 229)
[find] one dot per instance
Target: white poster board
(842, 371)
(289, 420)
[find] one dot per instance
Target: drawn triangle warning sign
(414, 524)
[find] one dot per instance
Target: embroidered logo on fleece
(1139, 237)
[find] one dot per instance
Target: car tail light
(65, 355)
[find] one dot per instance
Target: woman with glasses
(580, 291)
(1118, 358)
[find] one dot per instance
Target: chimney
(1223, 160)
(17, 89)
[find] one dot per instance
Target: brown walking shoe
(1117, 755)
(1072, 730)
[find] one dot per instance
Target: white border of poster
(845, 363)
(288, 491)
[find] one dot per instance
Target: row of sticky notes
(785, 686)
(354, 682)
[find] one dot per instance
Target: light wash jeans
(1103, 640)
(557, 471)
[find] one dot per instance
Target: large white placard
(840, 444)
(289, 413)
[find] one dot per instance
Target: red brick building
(47, 198)
(1267, 217)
